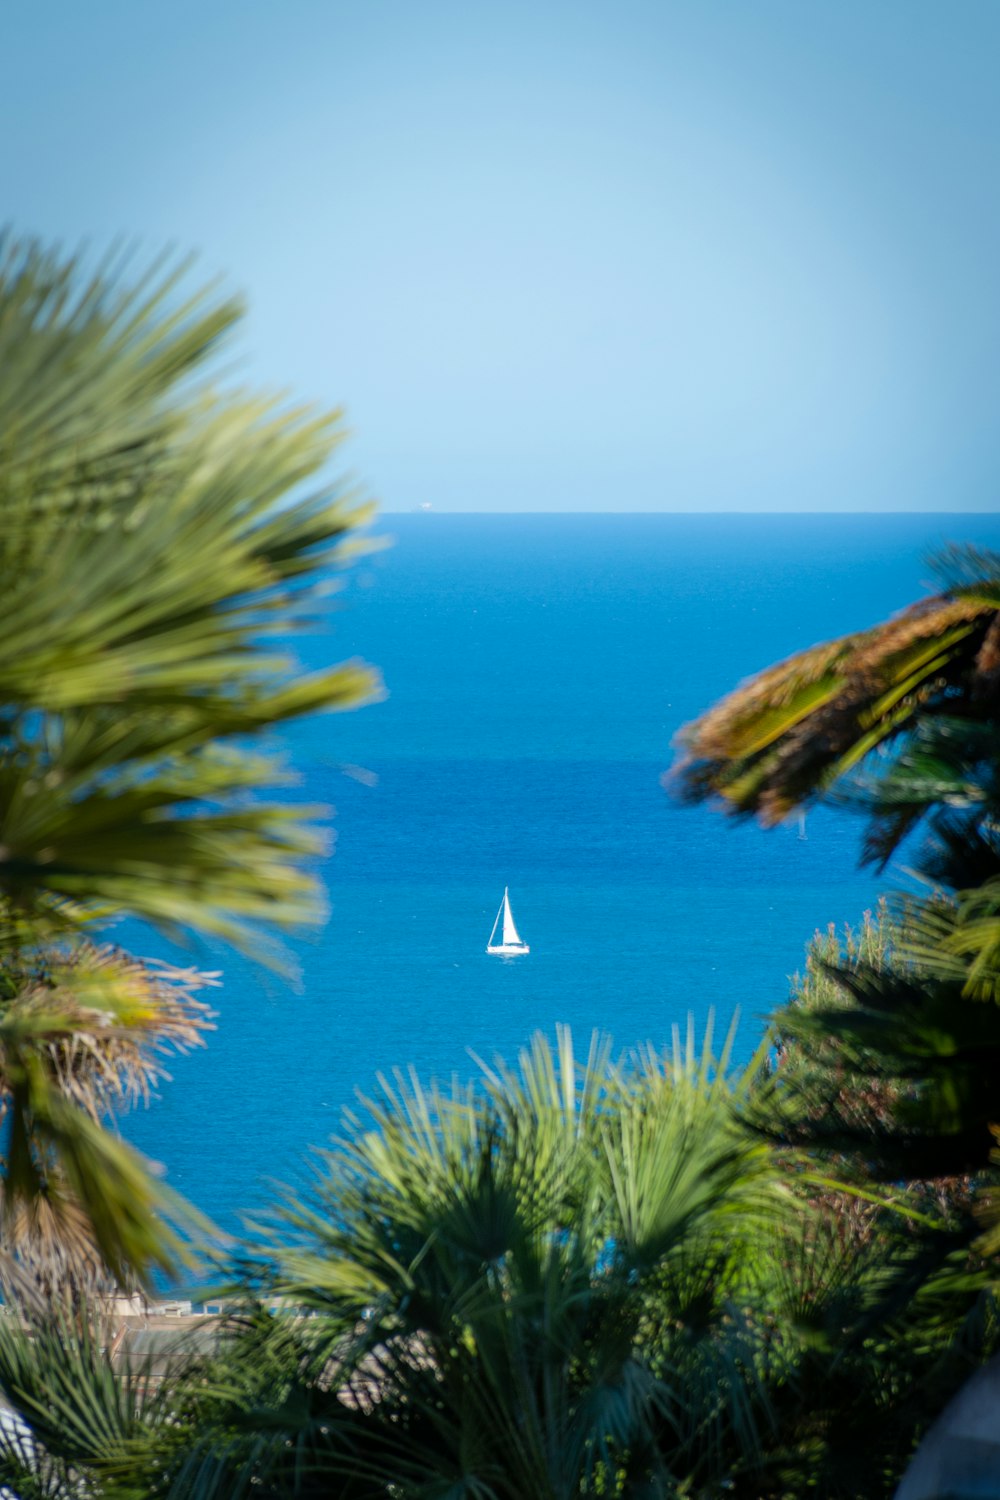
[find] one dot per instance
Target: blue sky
(698, 256)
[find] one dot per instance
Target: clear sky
(563, 256)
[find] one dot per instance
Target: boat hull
(509, 951)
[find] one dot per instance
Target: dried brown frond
(788, 734)
(103, 1021)
(921, 621)
(988, 656)
(48, 1254)
(776, 687)
(860, 655)
(83, 1034)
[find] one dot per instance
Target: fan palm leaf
(494, 1245)
(158, 537)
(163, 538)
(491, 1344)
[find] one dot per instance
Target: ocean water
(537, 669)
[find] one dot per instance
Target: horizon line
(700, 514)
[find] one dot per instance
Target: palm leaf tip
(802, 729)
(158, 532)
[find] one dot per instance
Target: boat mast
(496, 925)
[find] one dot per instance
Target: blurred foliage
(903, 720)
(158, 538)
(888, 1055)
(918, 688)
(163, 536)
(886, 1063)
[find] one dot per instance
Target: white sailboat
(510, 938)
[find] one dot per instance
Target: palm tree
(484, 1263)
(494, 1246)
(155, 544)
(575, 1280)
(162, 538)
(567, 1280)
(903, 720)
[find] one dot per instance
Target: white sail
(510, 939)
(510, 932)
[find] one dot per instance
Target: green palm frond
(165, 537)
(910, 1089)
(800, 729)
(87, 358)
(162, 539)
(475, 1338)
(495, 1245)
(676, 1154)
(86, 1421)
(885, 1073)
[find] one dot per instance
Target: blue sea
(537, 669)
